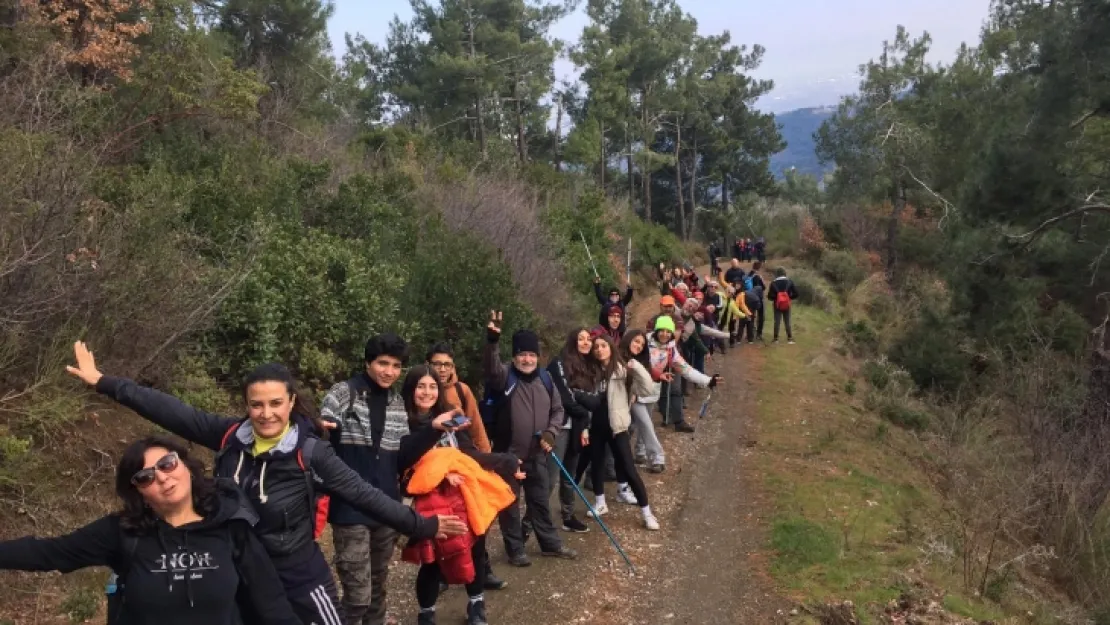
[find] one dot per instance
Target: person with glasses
(181, 546)
(457, 394)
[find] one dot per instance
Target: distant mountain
(797, 129)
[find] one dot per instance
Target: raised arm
(96, 544)
(495, 371)
(341, 481)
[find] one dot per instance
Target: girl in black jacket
(264, 454)
(571, 371)
(428, 413)
(182, 547)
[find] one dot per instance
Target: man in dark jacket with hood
(370, 421)
(614, 297)
(784, 286)
(528, 419)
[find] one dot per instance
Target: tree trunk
(724, 193)
(601, 163)
(479, 119)
(628, 165)
(558, 144)
(645, 172)
(899, 200)
(678, 181)
(694, 186)
(521, 143)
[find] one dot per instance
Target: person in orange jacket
(441, 358)
(430, 418)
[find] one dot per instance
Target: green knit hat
(664, 322)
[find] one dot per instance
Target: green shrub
(932, 352)
(876, 374)
(861, 337)
(842, 269)
(309, 289)
(813, 290)
(904, 416)
(81, 605)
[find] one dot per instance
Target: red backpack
(318, 503)
(782, 301)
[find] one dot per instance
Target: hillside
(797, 128)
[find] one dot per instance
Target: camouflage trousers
(362, 556)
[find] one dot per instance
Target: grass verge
(855, 514)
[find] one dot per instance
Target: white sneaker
(626, 496)
(599, 510)
(650, 522)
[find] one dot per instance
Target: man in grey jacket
(527, 405)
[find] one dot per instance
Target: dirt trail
(703, 567)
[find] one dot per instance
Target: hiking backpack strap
(317, 505)
(462, 396)
(225, 442)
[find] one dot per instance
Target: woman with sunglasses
(181, 546)
(264, 454)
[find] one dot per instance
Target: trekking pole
(667, 404)
(593, 513)
(589, 255)
(705, 405)
(628, 264)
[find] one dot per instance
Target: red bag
(782, 301)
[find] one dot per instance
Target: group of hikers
(241, 545)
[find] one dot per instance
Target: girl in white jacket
(611, 420)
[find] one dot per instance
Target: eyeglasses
(166, 464)
(442, 364)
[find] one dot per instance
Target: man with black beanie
(528, 417)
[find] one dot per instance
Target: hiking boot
(494, 582)
(426, 618)
(650, 522)
(571, 524)
(563, 553)
(476, 613)
(682, 426)
(520, 560)
(624, 495)
(658, 468)
(598, 511)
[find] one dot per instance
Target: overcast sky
(814, 47)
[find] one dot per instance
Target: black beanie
(526, 341)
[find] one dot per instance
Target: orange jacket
(469, 405)
(484, 492)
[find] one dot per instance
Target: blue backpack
(747, 283)
(492, 402)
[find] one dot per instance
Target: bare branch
(1032, 235)
(948, 206)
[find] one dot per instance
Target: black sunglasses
(165, 464)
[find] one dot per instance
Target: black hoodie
(202, 572)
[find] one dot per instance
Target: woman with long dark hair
(573, 372)
(634, 346)
(611, 418)
(181, 546)
(430, 418)
(276, 458)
